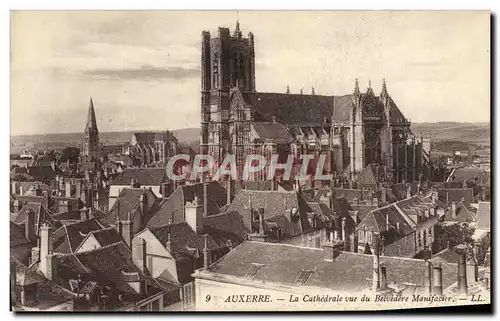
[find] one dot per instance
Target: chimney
(344, 232)
(16, 206)
(354, 242)
(206, 254)
(193, 212)
(376, 260)
(387, 225)
(453, 209)
(408, 191)
(437, 280)
(434, 196)
(229, 192)
(139, 254)
(375, 201)
(397, 226)
(127, 229)
(462, 268)
(427, 278)
(205, 199)
(273, 184)
(355, 201)
(118, 227)
(169, 241)
(29, 225)
(143, 204)
(132, 183)
(384, 195)
(383, 277)
(83, 214)
(90, 213)
(261, 221)
(46, 266)
(68, 189)
(165, 191)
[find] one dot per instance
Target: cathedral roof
(295, 109)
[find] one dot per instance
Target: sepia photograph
(237, 160)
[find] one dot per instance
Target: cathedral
(353, 131)
(90, 146)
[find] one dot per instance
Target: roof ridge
(100, 248)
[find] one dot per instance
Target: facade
(90, 146)
(352, 131)
(152, 148)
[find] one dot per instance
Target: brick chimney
(462, 270)
(384, 195)
(206, 254)
(205, 199)
(127, 229)
(354, 242)
(194, 215)
(46, 252)
(29, 225)
(454, 209)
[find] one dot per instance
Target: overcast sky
(142, 68)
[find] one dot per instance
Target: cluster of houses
(133, 240)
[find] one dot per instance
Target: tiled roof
(17, 235)
(143, 176)
(106, 236)
(128, 202)
(171, 209)
(456, 194)
(87, 167)
(483, 216)
(350, 194)
(464, 213)
(271, 130)
(41, 214)
(275, 204)
(107, 264)
(44, 173)
(183, 238)
(150, 137)
(230, 222)
(67, 238)
(75, 215)
(348, 272)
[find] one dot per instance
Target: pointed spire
(369, 84)
(91, 121)
(237, 31)
(312, 91)
(301, 91)
(287, 89)
(356, 87)
(384, 89)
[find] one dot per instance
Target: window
(303, 276)
(361, 236)
(188, 294)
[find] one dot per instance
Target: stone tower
(90, 151)
(227, 62)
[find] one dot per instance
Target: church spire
(287, 89)
(356, 88)
(237, 31)
(91, 121)
(312, 91)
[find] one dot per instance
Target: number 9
(207, 298)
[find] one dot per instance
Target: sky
(142, 68)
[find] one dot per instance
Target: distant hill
(186, 137)
(476, 134)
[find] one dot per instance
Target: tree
(71, 154)
(458, 233)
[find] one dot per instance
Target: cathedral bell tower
(90, 147)
(227, 62)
